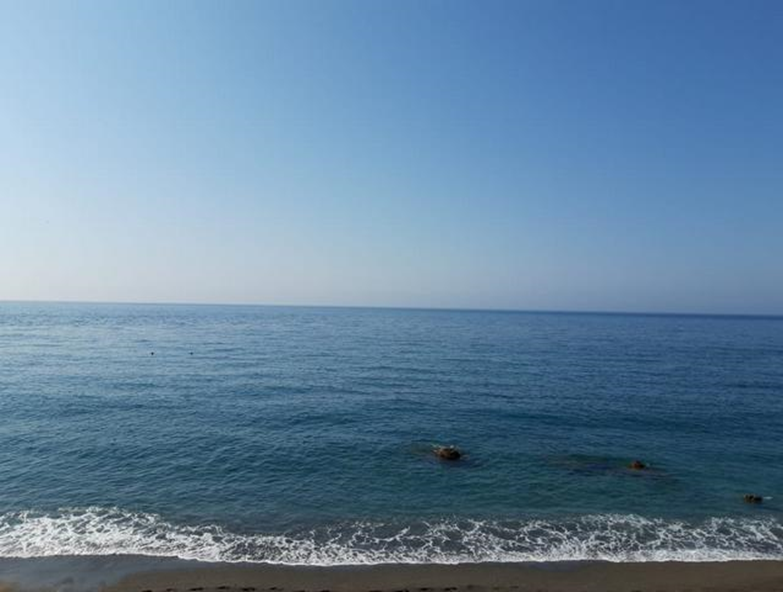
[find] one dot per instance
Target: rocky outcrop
(447, 452)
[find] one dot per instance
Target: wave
(616, 538)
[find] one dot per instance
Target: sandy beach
(596, 577)
(120, 574)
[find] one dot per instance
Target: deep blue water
(304, 435)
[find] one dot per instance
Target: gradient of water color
(304, 435)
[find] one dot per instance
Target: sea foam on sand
(613, 538)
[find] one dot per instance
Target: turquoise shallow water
(304, 435)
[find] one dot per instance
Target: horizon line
(769, 316)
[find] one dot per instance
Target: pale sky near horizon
(582, 155)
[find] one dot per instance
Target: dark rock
(752, 499)
(448, 452)
(637, 465)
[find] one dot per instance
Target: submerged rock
(751, 498)
(447, 452)
(637, 465)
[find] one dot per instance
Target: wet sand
(141, 575)
(578, 577)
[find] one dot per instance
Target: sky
(582, 155)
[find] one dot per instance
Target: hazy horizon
(534, 156)
(673, 313)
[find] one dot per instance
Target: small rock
(448, 452)
(637, 465)
(752, 498)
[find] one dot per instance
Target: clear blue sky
(585, 155)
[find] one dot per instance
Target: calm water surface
(304, 435)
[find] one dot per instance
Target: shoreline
(122, 573)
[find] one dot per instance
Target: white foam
(617, 538)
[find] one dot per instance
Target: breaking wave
(617, 538)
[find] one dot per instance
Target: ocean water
(305, 435)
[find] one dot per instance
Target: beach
(145, 574)
(581, 577)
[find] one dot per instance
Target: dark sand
(745, 576)
(578, 577)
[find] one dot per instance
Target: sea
(305, 435)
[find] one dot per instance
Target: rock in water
(752, 499)
(637, 465)
(448, 452)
